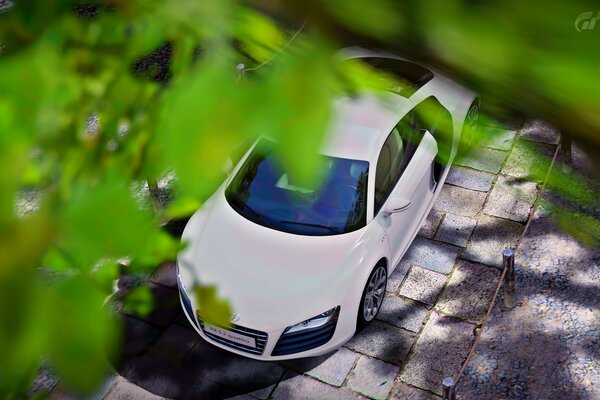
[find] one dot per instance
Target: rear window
(413, 75)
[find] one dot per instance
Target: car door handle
(397, 204)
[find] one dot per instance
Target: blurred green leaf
(300, 93)
(139, 301)
(83, 333)
(378, 18)
(186, 108)
(211, 307)
(104, 275)
(259, 35)
(204, 118)
(182, 207)
(104, 220)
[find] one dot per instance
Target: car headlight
(326, 318)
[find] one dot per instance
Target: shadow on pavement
(164, 355)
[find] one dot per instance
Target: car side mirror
(396, 204)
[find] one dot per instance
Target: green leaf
(104, 220)
(139, 301)
(104, 274)
(378, 18)
(182, 207)
(205, 115)
(211, 307)
(159, 248)
(82, 333)
(259, 35)
(297, 107)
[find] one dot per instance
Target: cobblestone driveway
(436, 302)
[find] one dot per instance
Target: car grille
(302, 341)
(260, 337)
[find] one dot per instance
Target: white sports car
(304, 268)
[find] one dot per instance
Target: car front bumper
(267, 347)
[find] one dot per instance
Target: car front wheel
(470, 133)
(372, 297)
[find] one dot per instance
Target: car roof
(361, 123)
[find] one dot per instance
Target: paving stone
(511, 198)
(245, 375)
(210, 390)
(439, 352)
(490, 237)
(373, 378)
(383, 341)
(431, 224)
(540, 131)
(174, 344)
(182, 320)
(105, 387)
(60, 392)
(396, 278)
(423, 285)
(125, 390)
(205, 361)
(483, 159)
(403, 313)
(165, 275)
(330, 368)
(263, 393)
(470, 178)
(498, 137)
(469, 292)
(529, 160)
(553, 353)
(138, 335)
(44, 382)
(460, 201)
(432, 255)
(207, 372)
(164, 375)
(244, 397)
(456, 229)
(406, 392)
(300, 387)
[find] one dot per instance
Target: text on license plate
(231, 336)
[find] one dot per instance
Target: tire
(374, 292)
(468, 135)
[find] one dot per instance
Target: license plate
(231, 336)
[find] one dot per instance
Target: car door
(404, 183)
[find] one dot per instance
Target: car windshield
(265, 194)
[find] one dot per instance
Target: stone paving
(548, 347)
(435, 304)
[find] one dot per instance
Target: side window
(382, 176)
(396, 153)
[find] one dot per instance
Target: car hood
(272, 279)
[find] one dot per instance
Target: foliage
(60, 69)
(62, 63)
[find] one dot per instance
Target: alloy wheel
(374, 294)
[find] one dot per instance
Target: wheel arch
(382, 261)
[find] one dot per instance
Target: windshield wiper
(331, 228)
